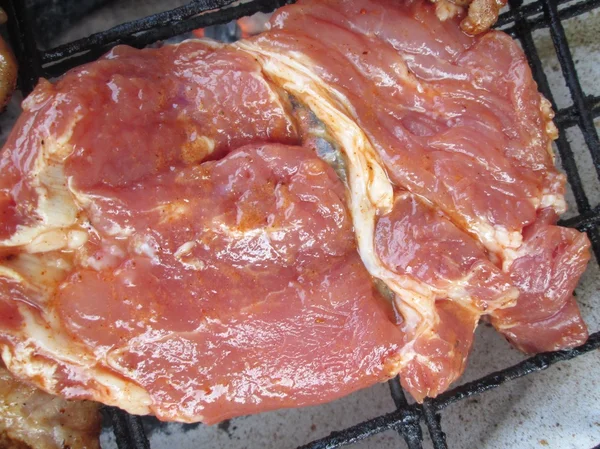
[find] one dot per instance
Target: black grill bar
(410, 431)
(434, 425)
(406, 416)
(524, 34)
(585, 222)
(526, 11)
(584, 114)
(142, 32)
(23, 43)
(128, 429)
(586, 122)
(118, 33)
(397, 393)
(164, 32)
(568, 117)
(533, 364)
(566, 13)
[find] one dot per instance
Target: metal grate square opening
(578, 106)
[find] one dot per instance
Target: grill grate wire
(519, 21)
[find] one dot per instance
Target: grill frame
(519, 21)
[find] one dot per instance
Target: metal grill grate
(520, 22)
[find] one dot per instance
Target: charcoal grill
(519, 21)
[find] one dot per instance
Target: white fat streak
(24, 360)
(57, 211)
(511, 255)
(116, 230)
(317, 95)
(87, 200)
(94, 263)
(550, 197)
(293, 69)
(52, 240)
(186, 249)
(209, 143)
(497, 239)
(6, 272)
(56, 208)
(45, 338)
(37, 272)
(76, 239)
(172, 211)
(371, 191)
(145, 245)
(22, 363)
(555, 201)
(458, 293)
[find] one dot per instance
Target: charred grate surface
(520, 21)
(137, 33)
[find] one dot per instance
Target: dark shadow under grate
(520, 22)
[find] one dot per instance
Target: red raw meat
(171, 242)
(546, 270)
(415, 241)
(457, 121)
(193, 291)
(252, 293)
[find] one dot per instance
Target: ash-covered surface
(557, 408)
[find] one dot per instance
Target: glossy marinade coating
(458, 122)
(160, 279)
(172, 244)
